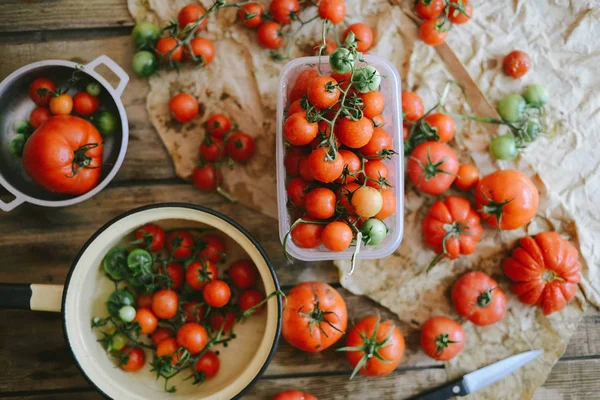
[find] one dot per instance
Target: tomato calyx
(442, 342)
(494, 209)
(81, 160)
(549, 276)
(485, 298)
(430, 169)
(453, 230)
(317, 316)
(370, 347)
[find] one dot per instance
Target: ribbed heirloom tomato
(324, 169)
(298, 130)
(544, 270)
(363, 34)
(432, 167)
(315, 316)
(442, 338)
(507, 199)
(477, 297)
(374, 347)
(64, 155)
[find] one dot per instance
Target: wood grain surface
(38, 245)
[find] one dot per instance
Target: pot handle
(114, 67)
(31, 297)
(4, 206)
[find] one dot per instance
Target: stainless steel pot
(15, 104)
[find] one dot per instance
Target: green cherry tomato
(105, 122)
(143, 282)
(17, 144)
(144, 63)
(140, 261)
(118, 341)
(127, 313)
(145, 35)
(366, 79)
(341, 60)
(536, 95)
(532, 131)
(115, 264)
(22, 126)
(504, 147)
(511, 108)
(374, 230)
(118, 299)
(94, 89)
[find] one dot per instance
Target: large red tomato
(544, 271)
(64, 155)
(315, 316)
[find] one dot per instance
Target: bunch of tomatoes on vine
(175, 298)
(439, 16)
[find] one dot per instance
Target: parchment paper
(242, 82)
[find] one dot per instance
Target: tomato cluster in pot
(439, 17)
(337, 184)
(174, 299)
(61, 145)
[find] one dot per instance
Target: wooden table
(38, 244)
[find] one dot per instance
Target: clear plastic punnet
(390, 89)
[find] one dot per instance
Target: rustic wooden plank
(573, 379)
(35, 15)
(146, 158)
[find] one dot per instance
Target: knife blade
(480, 378)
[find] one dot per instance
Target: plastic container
(390, 89)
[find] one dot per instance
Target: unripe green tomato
(118, 342)
(375, 230)
(504, 147)
(341, 60)
(127, 313)
(511, 107)
(536, 95)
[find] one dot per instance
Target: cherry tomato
(41, 85)
(283, 11)
(389, 204)
(208, 364)
(322, 91)
(378, 172)
(364, 36)
(144, 301)
(152, 235)
(381, 145)
(367, 201)
(193, 337)
(304, 169)
(355, 134)
(216, 293)
(298, 130)
(190, 14)
(38, 117)
(432, 167)
(373, 103)
(429, 9)
(333, 10)
(212, 248)
(169, 347)
(135, 359)
(198, 274)
(292, 160)
(457, 17)
(218, 320)
(193, 312)
(466, 177)
(202, 49)
(184, 107)
(180, 244)
(269, 35)
(147, 320)
(293, 395)
(345, 194)
(296, 190)
(243, 273)
(330, 47)
(307, 235)
(207, 177)
(320, 203)
(295, 107)
(324, 169)
(337, 236)
(161, 334)
(442, 338)
(477, 297)
(516, 64)
(212, 149)
(431, 33)
(85, 104)
(251, 298)
(405, 133)
(442, 124)
(412, 106)
(218, 125)
(352, 165)
(168, 47)
(301, 85)
(165, 303)
(240, 147)
(251, 14)
(61, 105)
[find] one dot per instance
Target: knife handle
(454, 388)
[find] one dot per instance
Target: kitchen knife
(485, 376)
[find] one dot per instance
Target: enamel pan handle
(31, 297)
(8, 206)
(115, 68)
